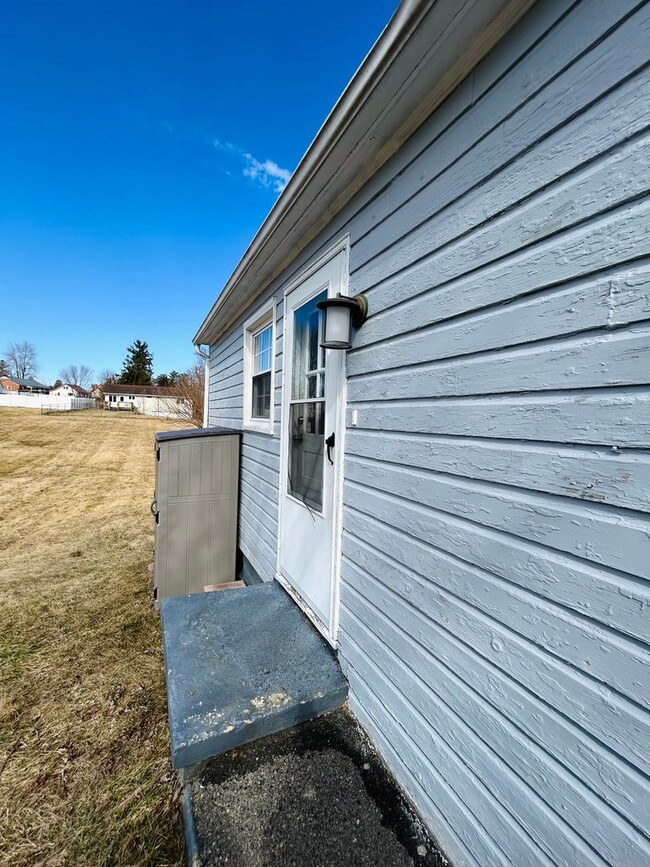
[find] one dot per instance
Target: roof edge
(476, 24)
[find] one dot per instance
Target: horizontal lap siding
(260, 454)
(496, 539)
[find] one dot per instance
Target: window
(262, 363)
(259, 359)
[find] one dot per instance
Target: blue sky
(141, 146)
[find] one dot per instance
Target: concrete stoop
(241, 666)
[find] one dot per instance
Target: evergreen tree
(4, 368)
(162, 379)
(138, 365)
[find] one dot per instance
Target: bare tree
(107, 377)
(76, 374)
(188, 396)
(21, 359)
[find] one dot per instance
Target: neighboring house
(97, 392)
(152, 400)
(28, 385)
(9, 385)
(69, 390)
(474, 542)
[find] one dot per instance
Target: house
(26, 385)
(69, 390)
(9, 385)
(459, 502)
(154, 400)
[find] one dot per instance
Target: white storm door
(310, 468)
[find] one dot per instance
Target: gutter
(206, 384)
(426, 50)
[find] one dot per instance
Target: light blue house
(460, 501)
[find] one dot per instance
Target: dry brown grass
(84, 771)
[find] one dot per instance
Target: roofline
(438, 41)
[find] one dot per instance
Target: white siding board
(593, 474)
(255, 553)
(589, 531)
(496, 532)
(471, 563)
(267, 500)
(604, 301)
(618, 237)
(587, 759)
(416, 776)
(396, 705)
(472, 834)
(229, 371)
(619, 723)
(258, 509)
(258, 521)
(592, 361)
(611, 61)
(554, 52)
(270, 448)
(616, 418)
(226, 391)
(466, 721)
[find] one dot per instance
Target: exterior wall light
(341, 315)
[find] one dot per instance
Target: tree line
(21, 361)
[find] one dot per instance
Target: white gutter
(206, 385)
(428, 47)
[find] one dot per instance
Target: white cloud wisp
(266, 173)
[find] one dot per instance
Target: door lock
(329, 442)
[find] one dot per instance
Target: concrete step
(240, 666)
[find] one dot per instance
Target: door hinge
(158, 454)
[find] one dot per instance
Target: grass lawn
(85, 777)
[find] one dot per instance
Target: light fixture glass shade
(341, 315)
(337, 328)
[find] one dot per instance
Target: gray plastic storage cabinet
(195, 508)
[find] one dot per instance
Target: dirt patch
(317, 794)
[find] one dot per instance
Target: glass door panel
(307, 406)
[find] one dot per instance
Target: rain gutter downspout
(206, 386)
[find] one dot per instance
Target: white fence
(45, 402)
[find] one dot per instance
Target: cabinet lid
(189, 433)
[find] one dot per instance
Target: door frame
(339, 248)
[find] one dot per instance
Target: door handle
(329, 442)
(154, 508)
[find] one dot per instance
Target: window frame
(263, 317)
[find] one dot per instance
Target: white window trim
(263, 317)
